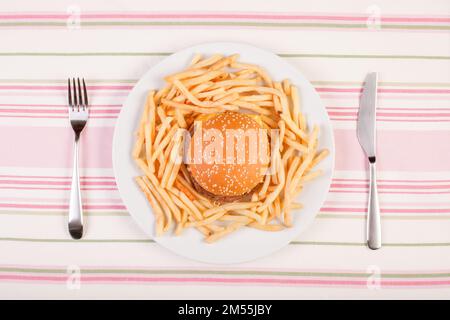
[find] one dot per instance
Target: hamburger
(228, 156)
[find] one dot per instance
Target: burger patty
(219, 198)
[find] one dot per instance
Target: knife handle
(373, 211)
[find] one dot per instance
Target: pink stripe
(358, 90)
(362, 191)
(112, 183)
(120, 106)
(394, 204)
(387, 192)
(277, 281)
(61, 93)
(32, 115)
(393, 120)
(57, 105)
(129, 87)
(53, 117)
(51, 147)
(382, 97)
(331, 113)
(334, 179)
(398, 150)
(53, 177)
(385, 210)
(34, 87)
(257, 16)
(391, 109)
(393, 180)
(356, 28)
(391, 114)
(46, 111)
(121, 207)
(60, 206)
(31, 188)
(59, 183)
(388, 186)
(59, 200)
(404, 150)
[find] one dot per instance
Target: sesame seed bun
(233, 177)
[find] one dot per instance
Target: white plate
(245, 244)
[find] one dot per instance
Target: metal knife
(366, 130)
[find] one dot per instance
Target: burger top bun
(234, 175)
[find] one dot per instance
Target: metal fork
(78, 116)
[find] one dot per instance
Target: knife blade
(366, 132)
(366, 126)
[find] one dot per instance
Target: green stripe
(224, 272)
(284, 55)
(317, 83)
(224, 24)
(308, 243)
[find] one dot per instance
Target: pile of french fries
(213, 85)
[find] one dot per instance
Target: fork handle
(373, 212)
(75, 207)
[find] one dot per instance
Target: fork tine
(85, 94)
(69, 93)
(75, 98)
(80, 96)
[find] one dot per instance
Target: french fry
(183, 106)
(274, 194)
(322, 155)
(293, 126)
(218, 235)
(265, 186)
(149, 146)
(198, 80)
(163, 193)
(299, 172)
(161, 145)
(185, 74)
(165, 124)
(296, 145)
(189, 95)
(295, 105)
(156, 207)
(252, 107)
(166, 209)
(282, 126)
(235, 218)
(226, 61)
(311, 176)
(229, 207)
(207, 62)
(266, 227)
(283, 98)
(248, 213)
(209, 93)
(286, 87)
(256, 69)
(197, 57)
(257, 98)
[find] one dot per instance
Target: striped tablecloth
(112, 43)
